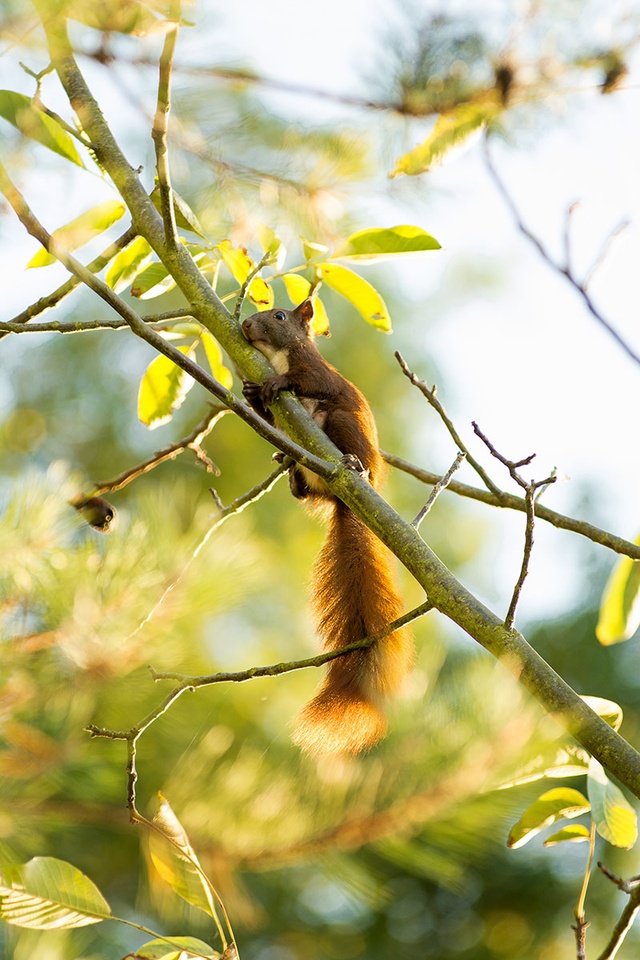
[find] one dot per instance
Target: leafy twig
(441, 485)
(530, 504)
(566, 269)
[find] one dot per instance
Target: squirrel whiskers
(353, 588)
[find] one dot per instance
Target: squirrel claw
(352, 462)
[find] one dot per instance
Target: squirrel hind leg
(338, 722)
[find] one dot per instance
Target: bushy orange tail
(354, 596)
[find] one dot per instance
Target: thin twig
(161, 124)
(530, 504)
(441, 485)
(192, 441)
(225, 512)
(604, 250)
(266, 258)
(510, 501)
(566, 271)
(628, 915)
(430, 395)
(185, 683)
(155, 320)
(581, 925)
(96, 265)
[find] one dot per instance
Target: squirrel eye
(280, 315)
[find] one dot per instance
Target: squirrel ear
(304, 311)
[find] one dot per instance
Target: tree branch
(530, 504)
(185, 683)
(192, 441)
(628, 915)
(565, 270)
(441, 485)
(54, 298)
(443, 590)
(455, 436)
(81, 326)
(509, 501)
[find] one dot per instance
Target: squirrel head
(277, 328)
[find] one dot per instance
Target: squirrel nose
(245, 327)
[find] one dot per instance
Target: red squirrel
(353, 589)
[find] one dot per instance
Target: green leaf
(176, 861)
(162, 390)
(298, 288)
(453, 129)
(48, 894)
(313, 251)
(33, 123)
(370, 246)
(80, 230)
(620, 607)
(214, 356)
(121, 16)
(574, 833)
(547, 809)
(152, 281)
(364, 297)
(239, 264)
(127, 264)
(613, 815)
(166, 950)
(184, 215)
(271, 243)
(566, 761)
(609, 710)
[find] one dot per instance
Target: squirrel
(353, 590)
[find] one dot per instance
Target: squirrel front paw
(252, 392)
(271, 387)
(352, 462)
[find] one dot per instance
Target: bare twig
(185, 683)
(225, 512)
(155, 321)
(190, 442)
(628, 915)
(441, 485)
(509, 501)
(437, 406)
(566, 271)
(160, 126)
(530, 504)
(604, 250)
